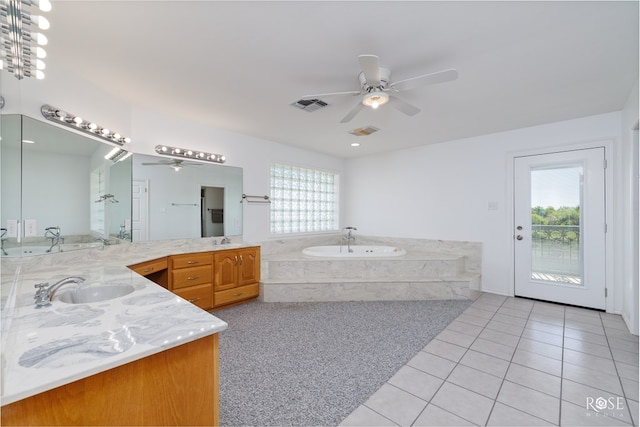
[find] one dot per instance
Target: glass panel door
(559, 227)
(556, 251)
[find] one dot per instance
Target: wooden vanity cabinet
(210, 280)
(236, 276)
(155, 270)
(191, 277)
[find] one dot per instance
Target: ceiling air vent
(309, 104)
(365, 131)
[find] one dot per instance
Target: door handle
(519, 237)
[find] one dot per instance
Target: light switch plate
(30, 228)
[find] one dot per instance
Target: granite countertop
(48, 347)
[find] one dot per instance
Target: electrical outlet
(30, 229)
(12, 228)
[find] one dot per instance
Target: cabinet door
(249, 266)
(226, 269)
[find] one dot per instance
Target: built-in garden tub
(379, 269)
(354, 251)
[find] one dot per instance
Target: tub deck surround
(431, 269)
(56, 345)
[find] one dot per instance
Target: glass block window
(303, 200)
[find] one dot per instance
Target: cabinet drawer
(236, 294)
(191, 276)
(201, 295)
(148, 267)
(191, 260)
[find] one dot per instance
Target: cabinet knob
(147, 270)
(238, 294)
(194, 300)
(240, 259)
(193, 277)
(192, 262)
(236, 259)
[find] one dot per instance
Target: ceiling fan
(375, 85)
(175, 164)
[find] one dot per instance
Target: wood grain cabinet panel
(176, 387)
(200, 295)
(185, 277)
(236, 278)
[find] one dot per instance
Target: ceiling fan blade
(155, 164)
(351, 114)
(324, 95)
(403, 106)
(427, 79)
(370, 69)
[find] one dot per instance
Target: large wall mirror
(182, 199)
(59, 193)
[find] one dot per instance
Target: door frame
(614, 298)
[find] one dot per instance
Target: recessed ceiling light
(28, 141)
(355, 144)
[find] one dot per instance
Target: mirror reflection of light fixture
(375, 98)
(186, 153)
(61, 117)
(117, 154)
(21, 51)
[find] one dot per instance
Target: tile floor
(515, 362)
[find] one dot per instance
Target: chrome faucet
(225, 240)
(53, 233)
(349, 237)
(123, 233)
(104, 241)
(44, 294)
(3, 237)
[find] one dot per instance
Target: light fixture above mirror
(186, 153)
(62, 117)
(21, 49)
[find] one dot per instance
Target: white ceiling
(239, 65)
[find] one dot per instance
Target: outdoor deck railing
(555, 249)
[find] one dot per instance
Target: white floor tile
(397, 405)
(463, 403)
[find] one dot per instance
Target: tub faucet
(3, 237)
(347, 234)
(53, 233)
(44, 294)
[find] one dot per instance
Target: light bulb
(40, 38)
(44, 5)
(375, 105)
(43, 23)
(39, 75)
(40, 65)
(40, 52)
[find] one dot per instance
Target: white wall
(443, 191)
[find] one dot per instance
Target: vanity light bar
(59, 116)
(21, 51)
(189, 154)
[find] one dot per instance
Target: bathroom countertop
(48, 347)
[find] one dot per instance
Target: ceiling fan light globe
(375, 99)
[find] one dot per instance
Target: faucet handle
(42, 295)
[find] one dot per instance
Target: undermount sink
(94, 293)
